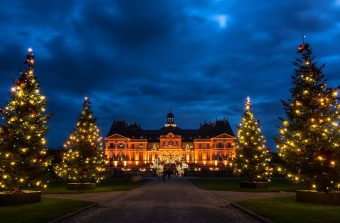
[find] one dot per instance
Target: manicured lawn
(108, 185)
(278, 184)
(42, 212)
(286, 209)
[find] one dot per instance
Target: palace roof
(205, 131)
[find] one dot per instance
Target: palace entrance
(169, 161)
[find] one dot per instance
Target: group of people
(166, 172)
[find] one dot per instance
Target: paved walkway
(176, 200)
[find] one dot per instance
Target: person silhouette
(163, 175)
(169, 173)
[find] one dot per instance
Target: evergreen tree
(309, 137)
(23, 160)
(252, 157)
(83, 160)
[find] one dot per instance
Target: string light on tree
(309, 137)
(83, 159)
(252, 157)
(23, 160)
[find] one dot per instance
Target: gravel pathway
(176, 200)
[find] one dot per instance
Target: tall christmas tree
(83, 160)
(309, 137)
(252, 157)
(23, 160)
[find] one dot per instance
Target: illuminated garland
(158, 164)
(252, 157)
(309, 137)
(23, 161)
(83, 159)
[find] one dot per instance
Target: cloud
(221, 20)
(138, 60)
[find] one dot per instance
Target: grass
(277, 184)
(288, 210)
(42, 212)
(106, 186)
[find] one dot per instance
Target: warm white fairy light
(26, 135)
(310, 133)
(85, 163)
(254, 164)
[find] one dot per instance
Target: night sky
(137, 60)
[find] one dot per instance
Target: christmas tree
(252, 157)
(309, 137)
(23, 159)
(83, 160)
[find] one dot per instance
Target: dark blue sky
(138, 59)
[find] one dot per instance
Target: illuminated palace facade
(129, 146)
